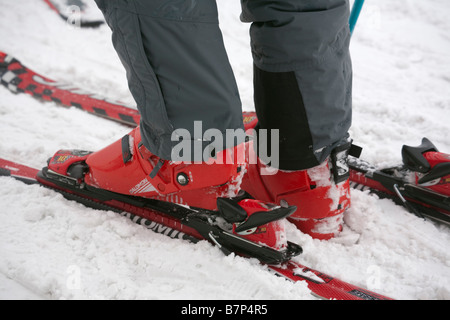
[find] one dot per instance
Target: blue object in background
(354, 15)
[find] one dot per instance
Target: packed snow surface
(51, 248)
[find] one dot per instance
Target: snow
(51, 248)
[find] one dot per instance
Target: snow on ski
(320, 284)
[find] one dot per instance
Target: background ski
(76, 12)
(320, 284)
(364, 176)
(20, 79)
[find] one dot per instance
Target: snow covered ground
(51, 248)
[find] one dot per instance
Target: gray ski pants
(178, 71)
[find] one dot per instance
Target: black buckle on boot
(339, 161)
(126, 149)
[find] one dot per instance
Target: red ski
(159, 217)
(421, 182)
(77, 13)
(20, 79)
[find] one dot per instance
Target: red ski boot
(127, 167)
(127, 171)
(320, 194)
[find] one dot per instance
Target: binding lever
(413, 157)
